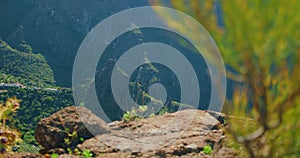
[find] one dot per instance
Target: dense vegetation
(27, 76)
(24, 67)
(35, 105)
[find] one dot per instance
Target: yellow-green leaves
(260, 41)
(8, 136)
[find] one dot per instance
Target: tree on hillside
(259, 41)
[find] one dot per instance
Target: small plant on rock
(135, 113)
(87, 154)
(207, 149)
(73, 138)
(54, 155)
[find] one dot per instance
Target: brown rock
(52, 131)
(171, 135)
(21, 155)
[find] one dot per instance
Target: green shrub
(259, 44)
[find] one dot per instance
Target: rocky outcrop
(51, 132)
(184, 133)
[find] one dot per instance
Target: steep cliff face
(56, 27)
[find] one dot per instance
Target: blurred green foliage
(259, 41)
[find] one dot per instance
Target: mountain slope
(24, 67)
(56, 27)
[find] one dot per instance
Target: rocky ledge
(180, 134)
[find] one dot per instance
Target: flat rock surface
(183, 133)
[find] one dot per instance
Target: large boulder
(52, 131)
